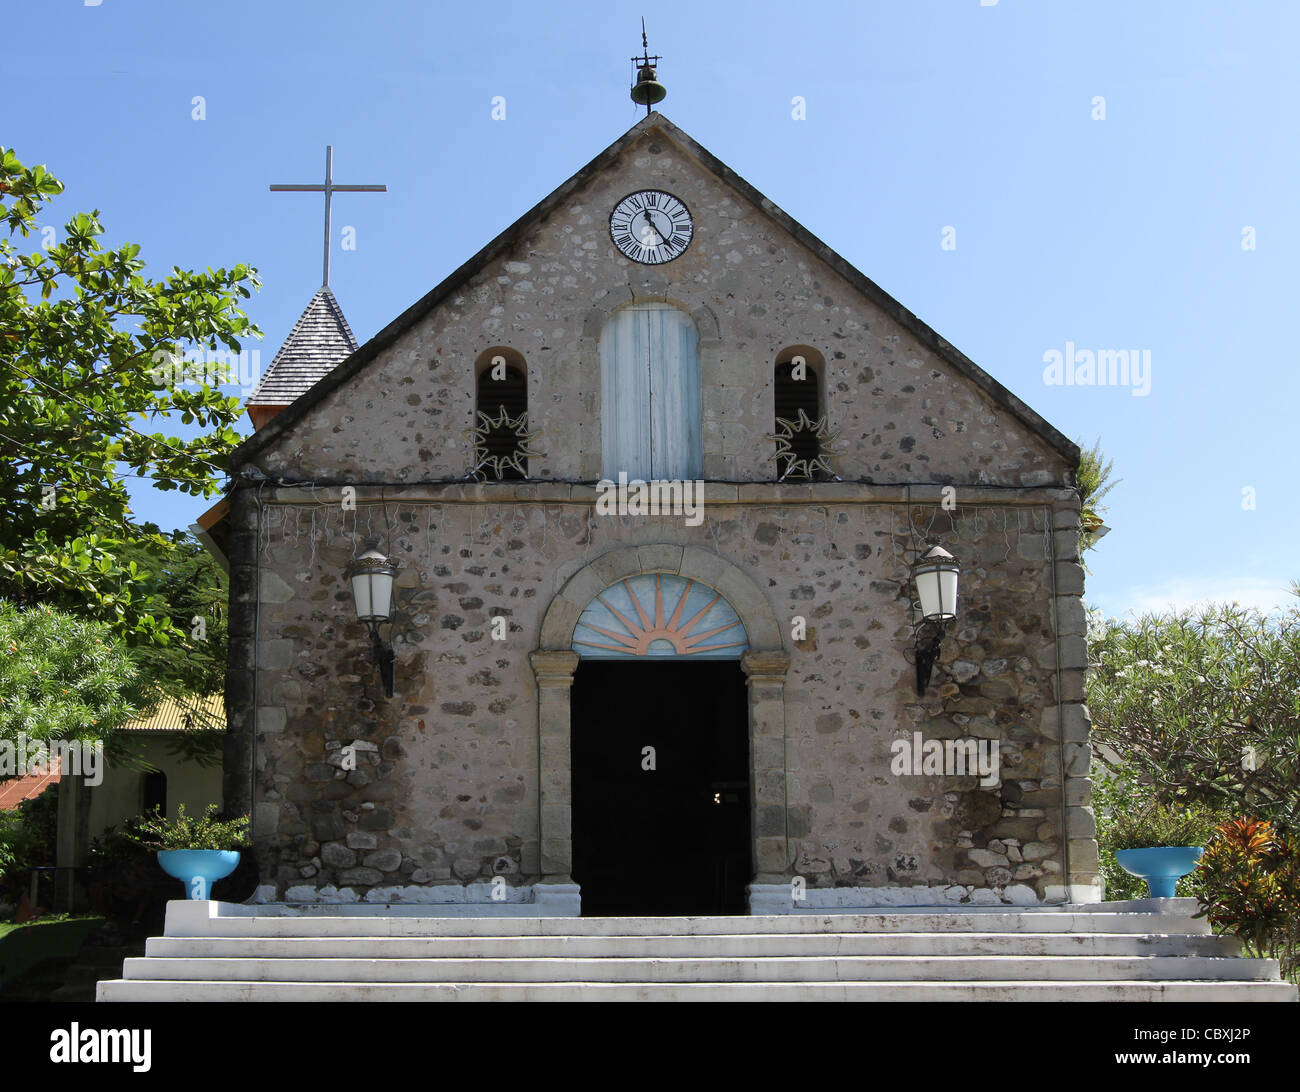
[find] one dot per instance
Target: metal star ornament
(796, 466)
(486, 464)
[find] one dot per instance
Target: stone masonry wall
(446, 785)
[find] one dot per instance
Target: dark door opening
(675, 839)
(154, 793)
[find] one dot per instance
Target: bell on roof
(647, 90)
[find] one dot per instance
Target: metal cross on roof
(328, 189)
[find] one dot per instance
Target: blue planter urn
(198, 869)
(1161, 867)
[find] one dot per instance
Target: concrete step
(166, 991)
(357, 925)
(697, 945)
(1003, 968)
(1140, 951)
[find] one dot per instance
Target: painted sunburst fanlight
(788, 435)
(659, 614)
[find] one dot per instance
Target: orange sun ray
(691, 641)
(688, 626)
(681, 604)
(631, 627)
(629, 640)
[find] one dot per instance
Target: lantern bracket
(929, 640)
(384, 657)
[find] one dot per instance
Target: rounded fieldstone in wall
(977, 809)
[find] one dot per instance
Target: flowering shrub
(1201, 707)
(1248, 884)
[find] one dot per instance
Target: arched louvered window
(797, 390)
(650, 394)
(501, 422)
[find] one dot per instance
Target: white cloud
(1184, 593)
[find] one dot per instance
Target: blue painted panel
(675, 395)
(650, 394)
(625, 397)
(659, 615)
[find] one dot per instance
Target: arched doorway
(740, 702)
(660, 751)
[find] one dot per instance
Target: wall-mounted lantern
(935, 574)
(372, 590)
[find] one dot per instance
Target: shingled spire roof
(319, 340)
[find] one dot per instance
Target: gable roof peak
(357, 360)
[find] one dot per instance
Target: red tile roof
(27, 787)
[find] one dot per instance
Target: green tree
(87, 347)
(1094, 481)
(1202, 708)
(184, 585)
(64, 677)
(28, 837)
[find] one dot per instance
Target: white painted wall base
(473, 900)
(779, 898)
(564, 900)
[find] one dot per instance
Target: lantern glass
(936, 584)
(372, 586)
(381, 594)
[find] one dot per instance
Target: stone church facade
(558, 664)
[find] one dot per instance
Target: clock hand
(651, 225)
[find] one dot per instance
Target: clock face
(651, 227)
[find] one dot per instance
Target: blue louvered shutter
(625, 396)
(650, 376)
(674, 394)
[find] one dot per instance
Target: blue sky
(1122, 233)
